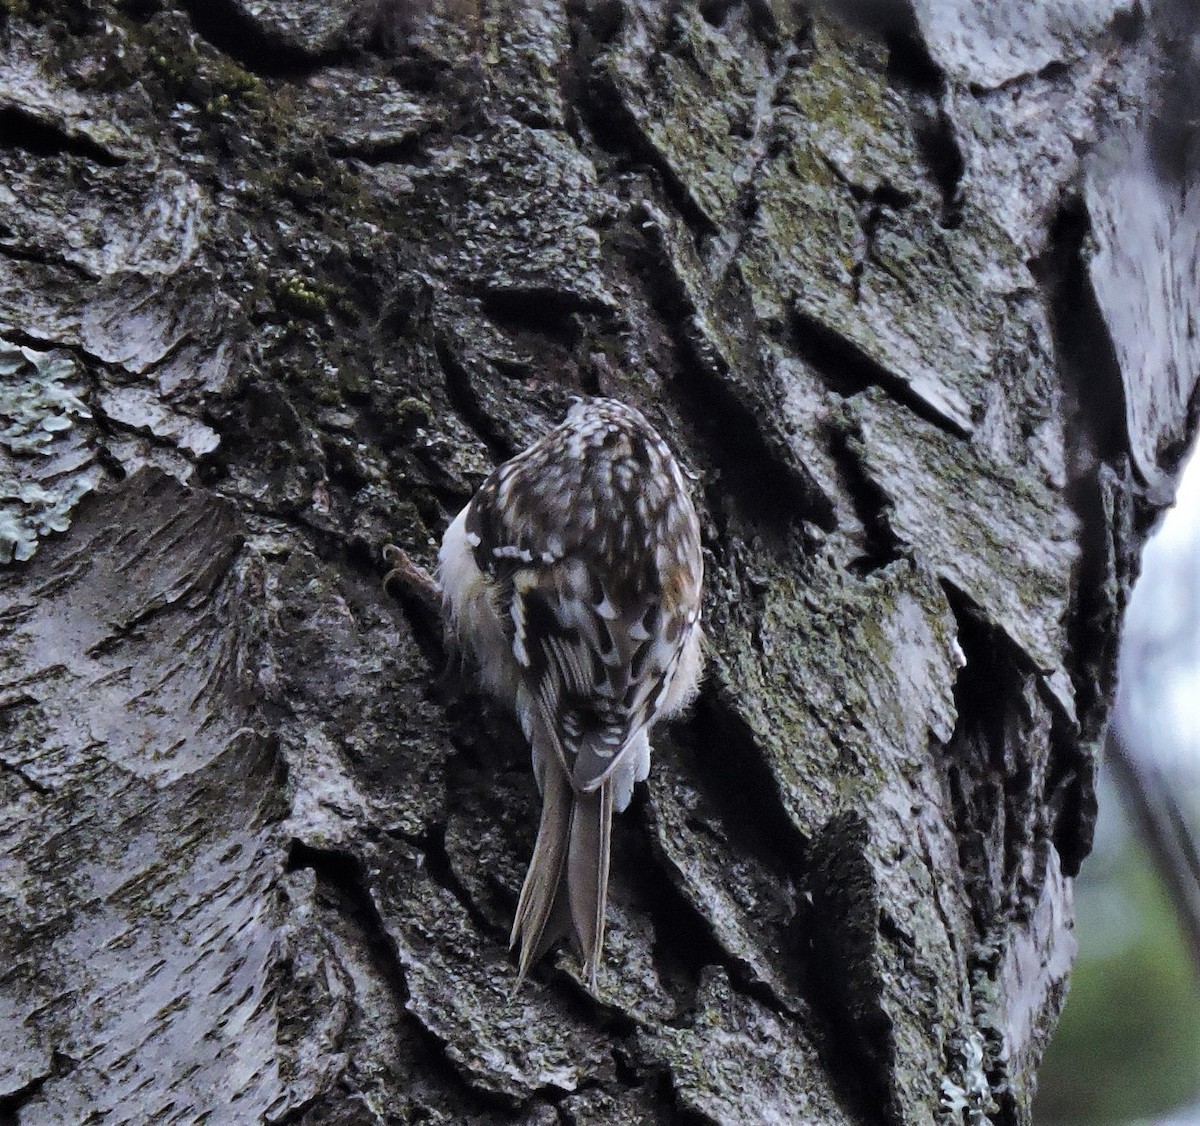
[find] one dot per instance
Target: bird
(573, 581)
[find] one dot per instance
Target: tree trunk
(281, 281)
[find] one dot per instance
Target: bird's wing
(596, 671)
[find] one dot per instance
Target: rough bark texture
(280, 281)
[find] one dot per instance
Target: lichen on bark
(279, 285)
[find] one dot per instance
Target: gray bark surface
(280, 282)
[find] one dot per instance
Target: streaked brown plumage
(573, 578)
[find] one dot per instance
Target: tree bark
(280, 282)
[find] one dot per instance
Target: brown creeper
(573, 578)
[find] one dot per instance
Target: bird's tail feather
(587, 874)
(536, 908)
(566, 889)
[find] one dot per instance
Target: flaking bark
(279, 282)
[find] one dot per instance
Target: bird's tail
(566, 888)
